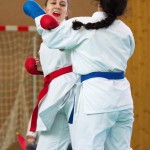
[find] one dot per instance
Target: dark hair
(112, 8)
(46, 3)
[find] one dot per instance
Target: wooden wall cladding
(138, 72)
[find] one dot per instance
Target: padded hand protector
(30, 65)
(48, 22)
(32, 9)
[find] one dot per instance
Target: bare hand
(30, 140)
(38, 64)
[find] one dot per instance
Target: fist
(30, 140)
(48, 22)
(31, 67)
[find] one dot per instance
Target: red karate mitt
(48, 22)
(30, 65)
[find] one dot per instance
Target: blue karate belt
(72, 113)
(107, 75)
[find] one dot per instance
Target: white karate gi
(104, 114)
(55, 108)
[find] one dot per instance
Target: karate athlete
(100, 48)
(55, 107)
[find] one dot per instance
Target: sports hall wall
(14, 97)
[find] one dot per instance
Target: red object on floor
(21, 141)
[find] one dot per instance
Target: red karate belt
(43, 92)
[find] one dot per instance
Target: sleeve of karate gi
(30, 133)
(132, 43)
(62, 37)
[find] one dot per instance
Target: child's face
(58, 9)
